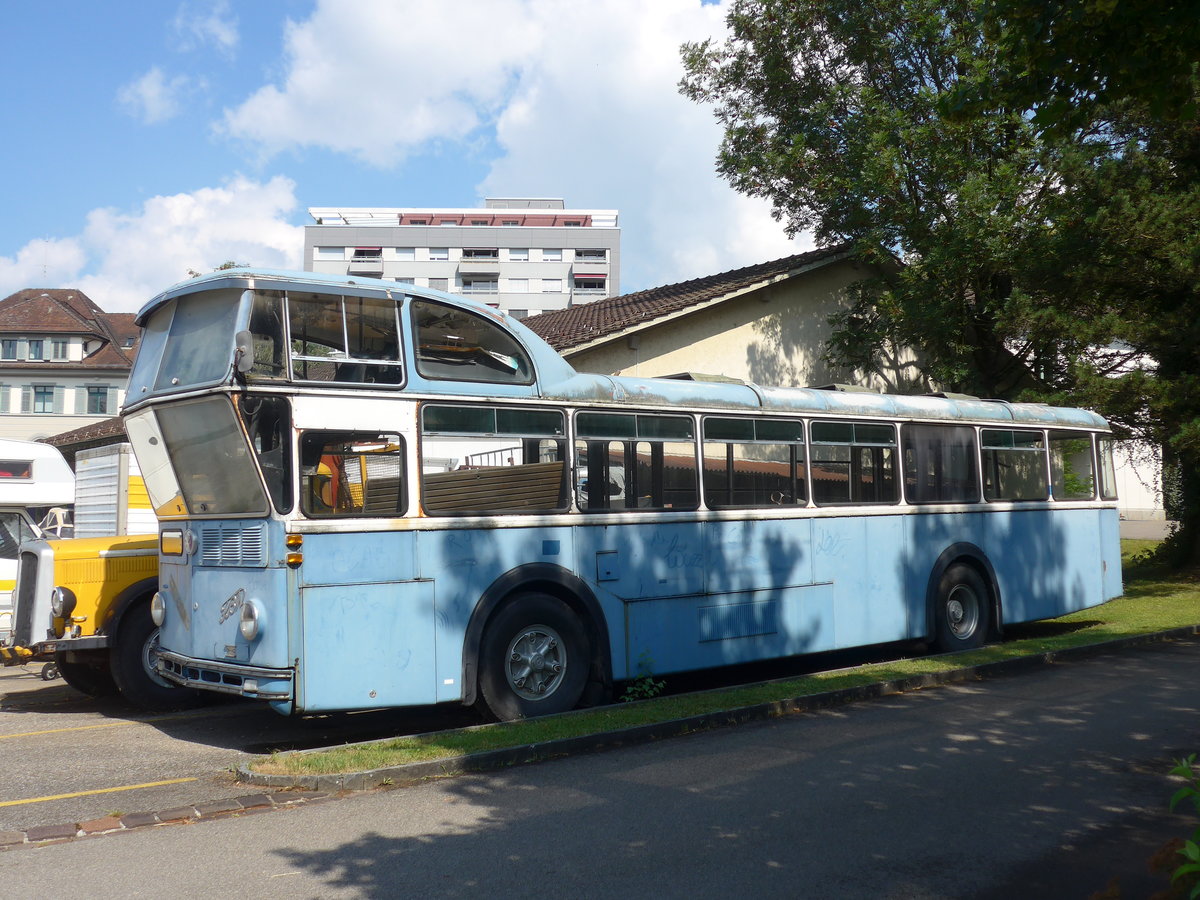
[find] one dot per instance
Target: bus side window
(352, 474)
(1071, 465)
(853, 462)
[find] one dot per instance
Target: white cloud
(210, 25)
(582, 102)
(122, 259)
(154, 97)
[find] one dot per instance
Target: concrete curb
(642, 734)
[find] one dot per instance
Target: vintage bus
(373, 495)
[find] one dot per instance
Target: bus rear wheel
(134, 652)
(534, 659)
(962, 613)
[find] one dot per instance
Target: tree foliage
(1041, 204)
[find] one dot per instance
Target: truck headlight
(250, 622)
(158, 609)
(62, 602)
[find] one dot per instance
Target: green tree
(1020, 277)
(834, 112)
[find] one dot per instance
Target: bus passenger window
(939, 464)
(266, 327)
(352, 474)
(655, 468)
(853, 462)
(1071, 465)
(478, 460)
(349, 340)
(1014, 465)
(1108, 470)
(754, 462)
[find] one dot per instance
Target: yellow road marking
(113, 790)
(5, 737)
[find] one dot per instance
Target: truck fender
(126, 600)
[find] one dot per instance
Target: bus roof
(558, 380)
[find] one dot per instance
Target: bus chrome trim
(223, 678)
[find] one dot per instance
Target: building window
(518, 285)
(552, 255)
(591, 255)
(479, 221)
(479, 285)
(43, 398)
(97, 401)
(330, 253)
(418, 221)
(552, 286)
(518, 313)
(35, 349)
(510, 222)
(58, 349)
(585, 285)
(406, 254)
(480, 253)
(8, 349)
(368, 254)
(405, 281)
(572, 223)
(438, 254)
(440, 284)
(518, 254)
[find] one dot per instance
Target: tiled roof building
(63, 362)
(766, 323)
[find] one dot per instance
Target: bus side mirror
(243, 356)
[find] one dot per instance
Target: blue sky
(146, 139)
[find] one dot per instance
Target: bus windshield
(198, 462)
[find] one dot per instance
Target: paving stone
(253, 800)
(178, 814)
(51, 832)
(137, 820)
(214, 807)
(95, 826)
(7, 838)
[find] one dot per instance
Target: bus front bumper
(255, 682)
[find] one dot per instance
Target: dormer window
(35, 349)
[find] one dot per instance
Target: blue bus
(372, 494)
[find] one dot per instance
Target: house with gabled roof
(767, 323)
(64, 362)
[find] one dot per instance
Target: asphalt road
(1043, 784)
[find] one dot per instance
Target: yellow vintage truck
(84, 602)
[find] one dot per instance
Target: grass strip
(1154, 601)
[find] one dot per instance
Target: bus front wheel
(90, 678)
(534, 659)
(961, 615)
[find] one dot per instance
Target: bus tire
(134, 649)
(534, 659)
(962, 610)
(91, 678)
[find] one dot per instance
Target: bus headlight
(158, 609)
(62, 602)
(250, 622)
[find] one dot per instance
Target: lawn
(1154, 601)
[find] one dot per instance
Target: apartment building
(523, 255)
(64, 362)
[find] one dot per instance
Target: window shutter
(26, 398)
(3, 398)
(112, 407)
(60, 396)
(80, 399)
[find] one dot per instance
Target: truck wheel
(91, 678)
(534, 659)
(134, 652)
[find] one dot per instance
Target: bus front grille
(233, 545)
